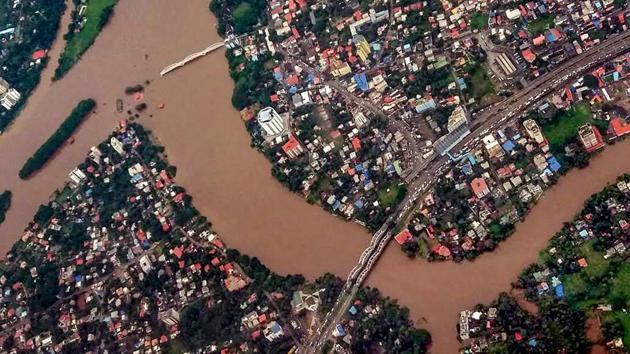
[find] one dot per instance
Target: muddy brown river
(231, 183)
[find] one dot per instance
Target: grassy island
(57, 139)
(87, 23)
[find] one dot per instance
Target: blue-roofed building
(554, 165)
(426, 105)
(559, 289)
(358, 204)
(362, 82)
(78, 278)
(467, 169)
(292, 89)
(583, 233)
(339, 331)
(358, 167)
(532, 342)
(336, 205)
(508, 145)
(461, 83)
(353, 310)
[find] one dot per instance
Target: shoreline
(231, 181)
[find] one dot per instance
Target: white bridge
(231, 42)
(191, 57)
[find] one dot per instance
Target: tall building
(169, 317)
(590, 137)
(4, 86)
(534, 132)
(10, 98)
(456, 119)
(270, 121)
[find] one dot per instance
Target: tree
(591, 81)
(245, 17)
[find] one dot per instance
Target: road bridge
(192, 57)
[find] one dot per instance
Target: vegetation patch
(564, 128)
(541, 24)
(479, 20)
(57, 139)
(83, 30)
(5, 204)
(480, 82)
(391, 195)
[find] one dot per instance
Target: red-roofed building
(178, 252)
(292, 147)
(38, 54)
(480, 187)
(403, 237)
(293, 80)
(539, 40)
(618, 127)
(356, 144)
(529, 55)
(590, 138)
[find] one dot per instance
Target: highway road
(425, 173)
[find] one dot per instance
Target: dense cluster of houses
(490, 188)
(119, 262)
(585, 245)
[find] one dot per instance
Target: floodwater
(231, 183)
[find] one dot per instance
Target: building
(534, 132)
(505, 64)
(273, 331)
(10, 98)
(457, 119)
(480, 187)
(618, 127)
(403, 237)
(305, 302)
(492, 146)
(169, 317)
(363, 47)
(270, 121)
(4, 86)
(292, 148)
(446, 142)
(590, 138)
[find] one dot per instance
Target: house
(479, 187)
(292, 147)
(590, 138)
(403, 237)
(618, 127)
(273, 331)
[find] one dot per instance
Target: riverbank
(228, 180)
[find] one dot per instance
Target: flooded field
(231, 183)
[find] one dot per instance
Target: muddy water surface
(231, 183)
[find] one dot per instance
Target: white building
(10, 98)
(533, 130)
(270, 121)
(457, 119)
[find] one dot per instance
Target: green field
(97, 14)
(601, 283)
(479, 20)
(391, 195)
(541, 24)
(564, 128)
(480, 82)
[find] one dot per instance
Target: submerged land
(189, 112)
